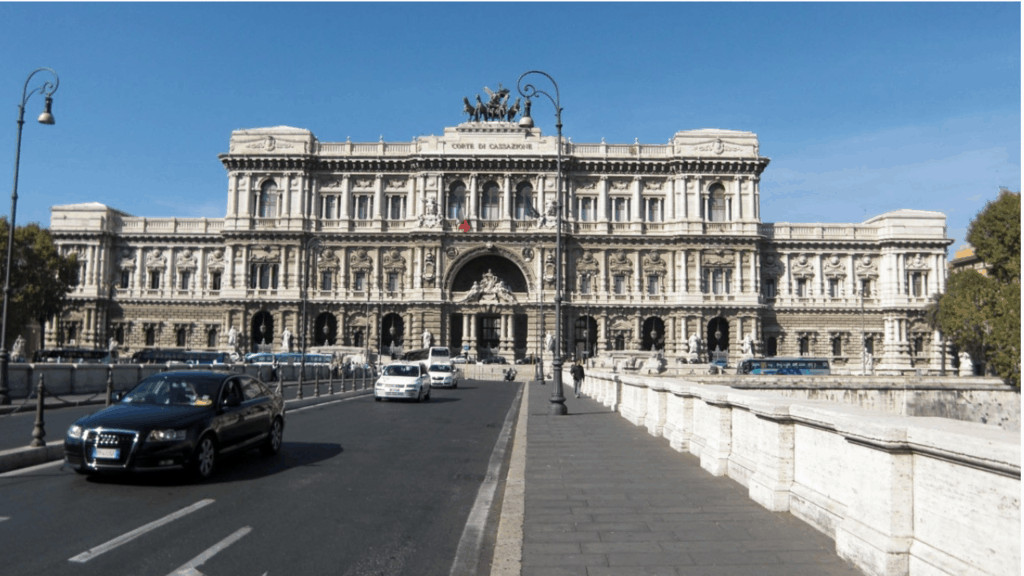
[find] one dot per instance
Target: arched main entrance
(261, 332)
(325, 330)
(392, 335)
(490, 308)
(718, 335)
(653, 334)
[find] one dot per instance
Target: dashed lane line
(189, 568)
(128, 537)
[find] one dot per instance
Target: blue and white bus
(780, 366)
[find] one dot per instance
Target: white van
(439, 355)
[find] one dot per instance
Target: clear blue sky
(862, 107)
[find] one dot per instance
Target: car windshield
(440, 368)
(412, 371)
(174, 390)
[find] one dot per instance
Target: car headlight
(167, 435)
(75, 432)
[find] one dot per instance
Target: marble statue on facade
(233, 338)
(966, 365)
(428, 338)
(286, 340)
(748, 346)
(549, 342)
(18, 350)
(694, 348)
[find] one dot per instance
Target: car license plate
(106, 453)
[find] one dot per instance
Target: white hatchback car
(443, 375)
(403, 381)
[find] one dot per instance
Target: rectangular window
(837, 346)
(833, 288)
(215, 281)
(619, 284)
(721, 280)
(364, 207)
(652, 284)
(126, 279)
(359, 282)
(620, 209)
(653, 209)
(150, 336)
(211, 338)
(184, 279)
(801, 287)
(154, 279)
(918, 280)
(768, 287)
(587, 209)
(392, 281)
(490, 328)
(330, 207)
(865, 288)
(396, 207)
(585, 284)
(869, 345)
(263, 276)
(326, 277)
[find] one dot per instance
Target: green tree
(980, 313)
(40, 277)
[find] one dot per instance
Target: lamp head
(47, 116)
(526, 121)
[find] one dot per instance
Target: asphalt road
(360, 488)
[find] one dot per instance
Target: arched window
(456, 206)
(266, 206)
(718, 210)
(490, 202)
(524, 202)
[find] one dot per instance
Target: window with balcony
(363, 206)
(768, 288)
(184, 279)
(586, 209)
(524, 202)
(835, 288)
(327, 280)
(359, 282)
(154, 279)
(490, 202)
(652, 284)
(215, 278)
(654, 209)
(716, 280)
(395, 206)
(620, 209)
(266, 206)
(393, 283)
(802, 288)
(918, 282)
(865, 288)
(718, 204)
(263, 276)
(330, 210)
(456, 205)
(585, 284)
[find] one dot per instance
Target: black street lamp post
(529, 91)
(46, 89)
(311, 245)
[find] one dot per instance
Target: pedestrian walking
(577, 377)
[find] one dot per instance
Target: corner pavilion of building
(451, 240)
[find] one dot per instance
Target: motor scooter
(510, 374)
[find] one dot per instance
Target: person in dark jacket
(577, 377)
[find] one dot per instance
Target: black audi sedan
(180, 419)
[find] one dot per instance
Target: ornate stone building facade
(451, 239)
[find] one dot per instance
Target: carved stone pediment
(215, 260)
(719, 258)
(328, 260)
(186, 260)
(802, 267)
(363, 184)
(587, 263)
(770, 266)
(265, 254)
(394, 261)
(917, 262)
(619, 263)
(621, 324)
(360, 261)
(867, 267)
(127, 258)
(655, 264)
(156, 259)
(833, 267)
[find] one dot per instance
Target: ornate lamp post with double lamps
(529, 91)
(47, 88)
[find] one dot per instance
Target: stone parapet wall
(899, 495)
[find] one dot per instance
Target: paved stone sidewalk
(603, 497)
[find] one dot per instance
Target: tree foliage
(980, 314)
(995, 235)
(40, 277)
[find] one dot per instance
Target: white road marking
(125, 538)
(467, 555)
(321, 404)
(189, 568)
(2, 518)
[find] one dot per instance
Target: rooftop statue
(496, 108)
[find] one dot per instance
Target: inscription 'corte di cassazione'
(491, 146)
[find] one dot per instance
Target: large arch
(475, 264)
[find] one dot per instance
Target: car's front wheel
(274, 438)
(204, 460)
